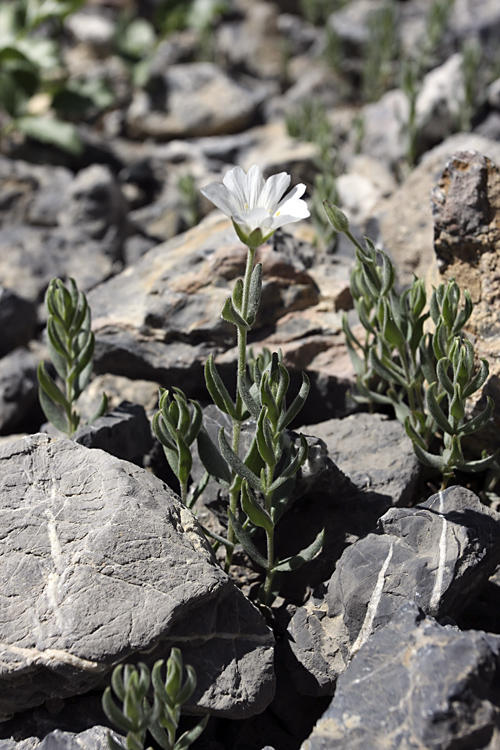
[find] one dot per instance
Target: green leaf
(479, 421)
(435, 410)
(196, 423)
(307, 554)
(212, 460)
(232, 316)
(237, 295)
(414, 436)
(113, 745)
(478, 380)
(251, 404)
(101, 409)
(185, 461)
(189, 686)
(237, 464)
(430, 459)
(388, 275)
(264, 439)
(442, 375)
(480, 465)
(186, 739)
(48, 130)
(114, 714)
(218, 391)
(293, 466)
(246, 542)
(254, 293)
(256, 513)
(48, 385)
(296, 405)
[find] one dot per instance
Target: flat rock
(415, 684)
(101, 563)
(436, 554)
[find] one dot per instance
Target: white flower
(255, 206)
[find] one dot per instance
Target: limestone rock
(17, 321)
(415, 684)
(436, 554)
(101, 563)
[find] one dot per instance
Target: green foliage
(177, 427)
(27, 65)
(189, 204)
(426, 377)
(137, 716)
(318, 11)
(382, 50)
(71, 346)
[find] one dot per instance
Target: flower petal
(221, 197)
(235, 182)
(273, 190)
(254, 186)
(256, 218)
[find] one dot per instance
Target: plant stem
(240, 375)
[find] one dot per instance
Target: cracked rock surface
(436, 554)
(415, 684)
(101, 563)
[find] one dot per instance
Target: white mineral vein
(372, 607)
(437, 591)
(51, 657)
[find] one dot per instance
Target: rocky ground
(390, 638)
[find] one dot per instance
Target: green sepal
(218, 391)
(336, 217)
(212, 460)
(232, 316)
(246, 542)
(256, 513)
(307, 554)
(237, 464)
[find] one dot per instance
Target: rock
(101, 563)
(160, 319)
(440, 101)
(436, 554)
(494, 94)
(466, 208)
(95, 738)
(384, 136)
(365, 183)
(415, 684)
(17, 321)
(389, 468)
(96, 208)
(54, 225)
(92, 29)
(405, 218)
(194, 99)
(19, 408)
(125, 433)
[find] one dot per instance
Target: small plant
(137, 716)
(189, 201)
(426, 377)
(259, 484)
(71, 347)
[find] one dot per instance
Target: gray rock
(95, 738)
(415, 684)
(125, 433)
(389, 466)
(17, 321)
(18, 389)
(195, 99)
(54, 225)
(101, 563)
(436, 554)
